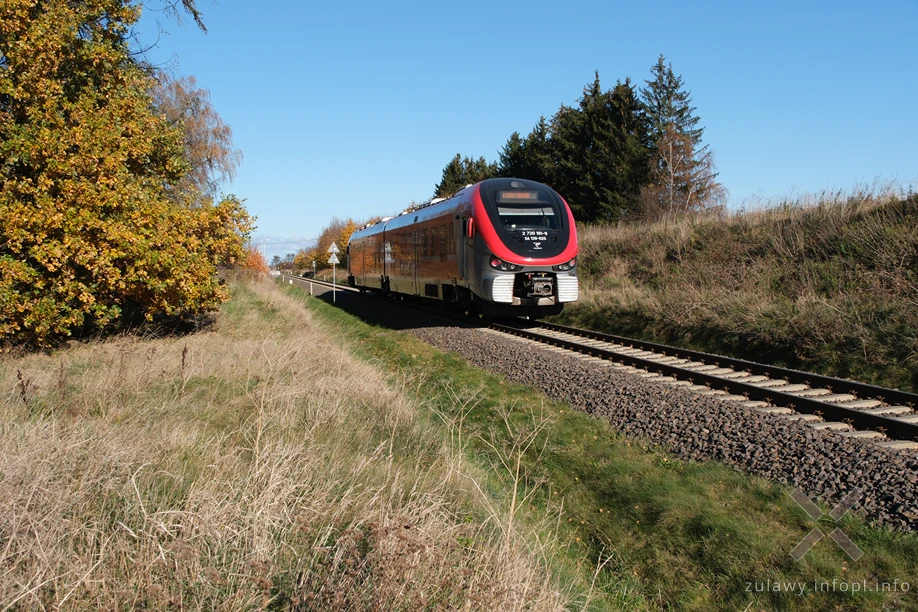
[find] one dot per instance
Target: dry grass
(231, 469)
(828, 282)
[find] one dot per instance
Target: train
(503, 247)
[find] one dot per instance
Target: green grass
(652, 531)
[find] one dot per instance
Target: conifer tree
(682, 172)
(600, 152)
(530, 158)
(667, 103)
(630, 164)
(478, 170)
(568, 140)
(512, 162)
(611, 156)
(462, 171)
(539, 160)
(452, 179)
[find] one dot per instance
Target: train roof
(428, 210)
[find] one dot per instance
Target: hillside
(828, 284)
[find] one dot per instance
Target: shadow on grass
(162, 326)
(385, 312)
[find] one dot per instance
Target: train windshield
(526, 209)
(528, 217)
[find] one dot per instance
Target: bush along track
(659, 531)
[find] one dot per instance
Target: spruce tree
(682, 173)
(667, 103)
(462, 171)
(475, 170)
(531, 158)
(539, 161)
(452, 179)
(600, 152)
(632, 148)
(513, 157)
(568, 141)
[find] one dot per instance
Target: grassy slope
(665, 534)
(828, 286)
(231, 469)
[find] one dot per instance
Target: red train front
(501, 247)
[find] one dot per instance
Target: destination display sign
(520, 196)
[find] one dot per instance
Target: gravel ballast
(822, 464)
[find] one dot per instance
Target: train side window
(451, 238)
(424, 243)
(443, 240)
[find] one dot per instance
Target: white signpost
(333, 260)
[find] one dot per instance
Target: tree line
(109, 171)
(338, 231)
(619, 154)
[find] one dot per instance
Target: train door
(415, 260)
(465, 243)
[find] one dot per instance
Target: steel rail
(837, 385)
(303, 279)
(893, 428)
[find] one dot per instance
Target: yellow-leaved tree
(336, 231)
(91, 229)
(254, 261)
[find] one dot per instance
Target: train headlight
(499, 264)
(565, 266)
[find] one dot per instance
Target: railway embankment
(657, 485)
(826, 284)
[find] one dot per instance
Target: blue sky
(352, 109)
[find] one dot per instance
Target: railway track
(886, 417)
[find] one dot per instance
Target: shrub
(90, 225)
